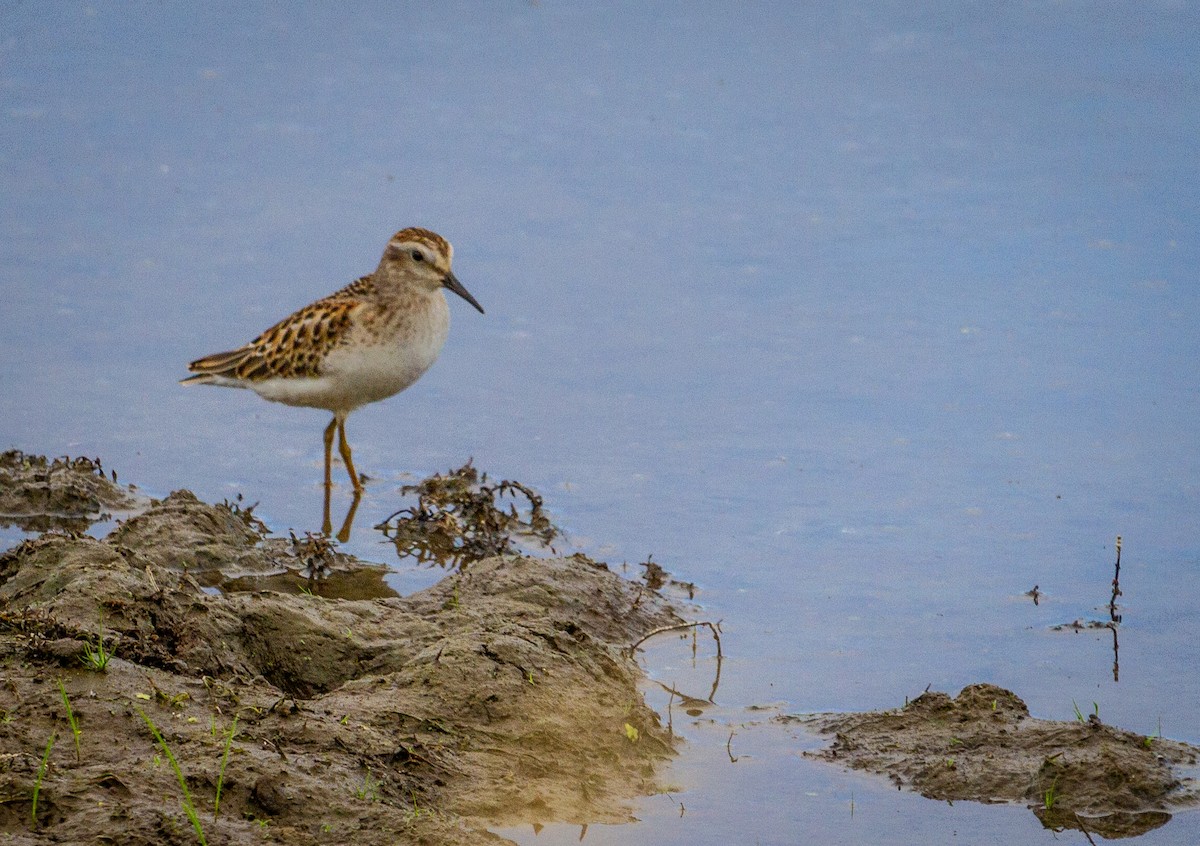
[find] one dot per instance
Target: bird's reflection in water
(343, 534)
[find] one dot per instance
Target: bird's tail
(218, 368)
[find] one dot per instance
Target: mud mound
(37, 494)
(504, 694)
(984, 746)
(225, 545)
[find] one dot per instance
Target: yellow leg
(329, 450)
(344, 449)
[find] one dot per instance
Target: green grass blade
(37, 785)
(71, 721)
(224, 761)
(189, 807)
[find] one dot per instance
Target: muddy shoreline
(267, 689)
(503, 694)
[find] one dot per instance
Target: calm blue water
(866, 318)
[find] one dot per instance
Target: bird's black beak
(451, 281)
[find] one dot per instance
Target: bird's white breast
(376, 361)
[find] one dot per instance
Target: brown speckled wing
(296, 346)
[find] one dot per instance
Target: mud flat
(504, 694)
(264, 689)
(984, 746)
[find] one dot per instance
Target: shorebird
(366, 342)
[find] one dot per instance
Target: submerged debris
(656, 578)
(984, 746)
(459, 518)
(38, 494)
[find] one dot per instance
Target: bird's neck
(398, 293)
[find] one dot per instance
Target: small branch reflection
(1113, 622)
(1114, 617)
(715, 628)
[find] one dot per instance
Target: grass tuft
(369, 791)
(96, 658)
(1051, 795)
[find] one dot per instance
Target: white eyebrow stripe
(432, 253)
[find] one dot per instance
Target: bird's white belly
(361, 372)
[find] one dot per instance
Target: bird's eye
(418, 255)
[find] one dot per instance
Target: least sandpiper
(364, 343)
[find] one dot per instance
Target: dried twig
(1116, 586)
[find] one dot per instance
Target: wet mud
(984, 746)
(258, 689)
(38, 494)
(504, 694)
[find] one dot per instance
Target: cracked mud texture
(504, 694)
(984, 746)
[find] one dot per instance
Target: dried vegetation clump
(460, 518)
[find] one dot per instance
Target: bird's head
(424, 258)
